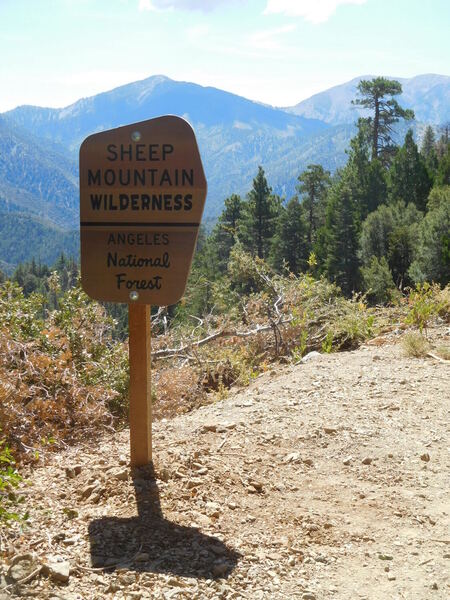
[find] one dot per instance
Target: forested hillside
(39, 163)
(378, 225)
(37, 178)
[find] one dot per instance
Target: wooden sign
(142, 193)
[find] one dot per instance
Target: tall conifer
(259, 217)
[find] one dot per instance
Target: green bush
(9, 480)
(378, 282)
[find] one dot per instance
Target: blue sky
(54, 52)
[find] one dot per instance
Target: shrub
(414, 344)
(378, 282)
(425, 302)
(9, 480)
(61, 375)
(443, 351)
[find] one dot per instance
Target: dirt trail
(327, 479)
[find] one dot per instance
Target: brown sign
(142, 193)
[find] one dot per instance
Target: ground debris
(298, 486)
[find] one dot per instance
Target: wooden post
(140, 384)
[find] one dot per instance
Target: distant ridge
(39, 146)
(235, 135)
(428, 95)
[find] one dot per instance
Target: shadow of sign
(150, 543)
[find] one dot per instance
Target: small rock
(292, 458)
(88, 491)
(120, 474)
(434, 586)
(367, 461)
(220, 569)
(209, 427)
(311, 356)
(425, 457)
(385, 557)
(321, 559)
(391, 577)
(95, 497)
(142, 557)
(219, 550)
(58, 571)
(194, 482)
(112, 588)
(376, 357)
(22, 566)
(175, 582)
(308, 596)
(347, 460)
(308, 461)
(330, 430)
(257, 485)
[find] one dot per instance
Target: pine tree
(314, 183)
(259, 217)
(289, 245)
(367, 178)
(408, 175)
(391, 232)
(428, 151)
(428, 146)
(341, 233)
(377, 280)
(433, 252)
(225, 232)
(443, 142)
(377, 95)
(443, 169)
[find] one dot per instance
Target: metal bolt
(134, 296)
(136, 136)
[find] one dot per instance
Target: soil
(325, 479)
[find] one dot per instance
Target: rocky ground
(326, 479)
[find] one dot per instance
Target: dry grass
(415, 345)
(176, 391)
(42, 400)
(443, 351)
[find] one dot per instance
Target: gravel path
(327, 479)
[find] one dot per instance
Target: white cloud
(315, 11)
(146, 5)
(268, 39)
(198, 31)
(158, 5)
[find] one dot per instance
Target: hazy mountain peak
(428, 95)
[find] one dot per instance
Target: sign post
(142, 193)
(140, 384)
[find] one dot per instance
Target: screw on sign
(142, 193)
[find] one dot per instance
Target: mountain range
(39, 146)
